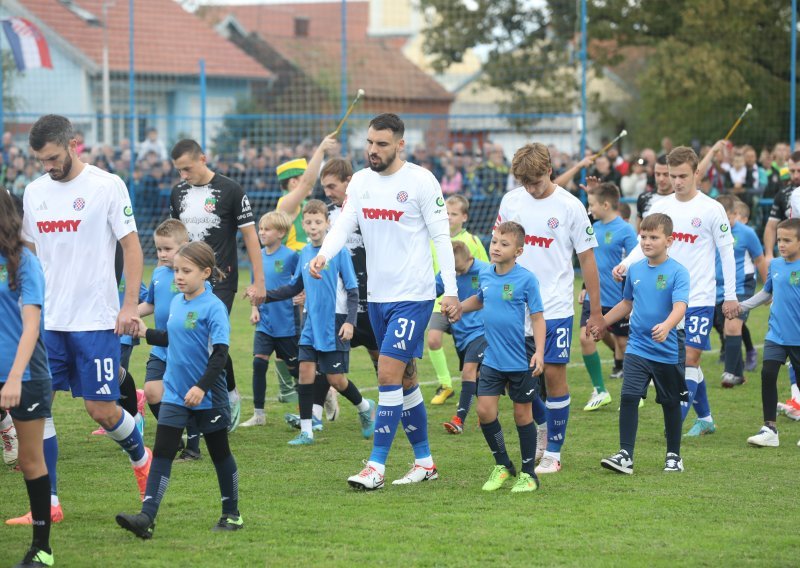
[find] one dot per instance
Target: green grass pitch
(733, 505)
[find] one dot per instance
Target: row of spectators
(479, 171)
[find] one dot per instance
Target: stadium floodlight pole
(583, 87)
(607, 146)
(793, 79)
(736, 124)
(359, 95)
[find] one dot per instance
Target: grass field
(731, 507)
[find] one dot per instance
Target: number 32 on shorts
(406, 325)
(698, 325)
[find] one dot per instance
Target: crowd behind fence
(478, 169)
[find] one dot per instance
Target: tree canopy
(705, 59)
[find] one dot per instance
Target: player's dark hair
(202, 256)
(607, 192)
(174, 229)
(683, 155)
(462, 201)
(795, 157)
(315, 206)
(10, 237)
(51, 128)
(625, 211)
(337, 167)
(728, 203)
(662, 160)
(461, 248)
(186, 146)
(791, 225)
(389, 121)
(657, 222)
(512, 228)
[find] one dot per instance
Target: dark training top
(213, 214)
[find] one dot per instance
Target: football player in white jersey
(398, 206)
(556, 224)
(700, 229)
(74, 216)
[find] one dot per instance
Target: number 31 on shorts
(405, 325)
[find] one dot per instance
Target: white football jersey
(794, 203)
(554, 228)
(397, 215)
(699, 226)
(75, 227)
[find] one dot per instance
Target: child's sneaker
(332, 404)
(139, 524)
(525, 483)
(302, 439)
(673, 463)
(256, 420)
(701, 428)
(498, 477)
(729, 380)
(229, 522)
(766, 438)
(621, 462)
(455, 426)
(368, 479)
(548, 464)
(598, 400)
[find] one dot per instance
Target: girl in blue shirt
(197, 339)
(25, 383)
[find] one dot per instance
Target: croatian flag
(27, 44)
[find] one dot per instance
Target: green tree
(9, 69)
(528, 49)
(706, 60)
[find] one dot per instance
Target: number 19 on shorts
(105, 369)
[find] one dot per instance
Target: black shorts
(775, 352)
(155, 369)
(473, 353)
(328, 362)
(34, 402)
(521, 384)
(226, 294)
(208, 420)
(620, 328)
(749, 285)
(363, 336)
(439, 322)
(285, 348)
(669, 379)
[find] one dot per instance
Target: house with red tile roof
(169, 43)
(301, 44)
